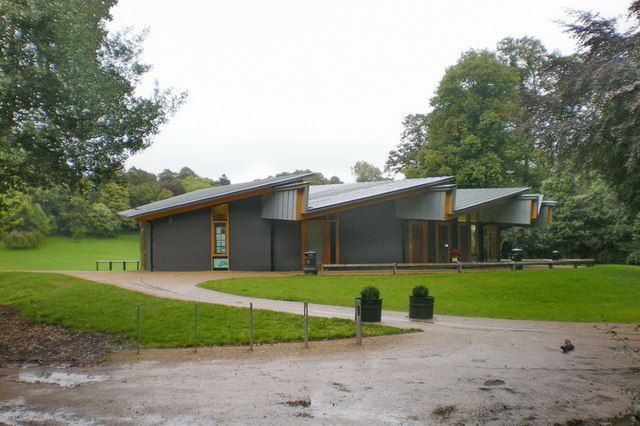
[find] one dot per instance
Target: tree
(366, 172)
(530, 59)
(191, 183)
(26, 222)
(317, 179)
(470, 131)
(592, 115)
(404, 159)
(69, 111)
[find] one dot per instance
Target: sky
(283, 85)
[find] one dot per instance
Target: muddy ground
(458, 371)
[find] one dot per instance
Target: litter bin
(516, 256)
(555, 255)
(310, 261)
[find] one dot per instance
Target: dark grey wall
(371, 234)
(181, 242)
(286, 250)
(249, 236)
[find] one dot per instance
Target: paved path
(182, 286)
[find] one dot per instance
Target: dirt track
(459, 370)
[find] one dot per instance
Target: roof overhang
(211, 196)
(332, 199)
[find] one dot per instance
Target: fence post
(358, 322)
(138, 324)
(250, 326)
(196, 328)
(306, 325)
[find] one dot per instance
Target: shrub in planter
(371, 304)
(420, 303)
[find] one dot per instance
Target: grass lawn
(89, 306)
(62, 253)
(604, 293)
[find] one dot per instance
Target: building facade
(268, 225)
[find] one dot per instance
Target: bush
(370, 293)
(23, 240)
(634, 258)
(420, 291)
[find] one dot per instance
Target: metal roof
(326, 196)
(211, 194)
(471, 198)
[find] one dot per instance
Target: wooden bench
(123, 262)
(459, 266)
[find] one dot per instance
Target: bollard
(358, 322)
(250, 326)
(306, 325)
(138, 321)
(196, 328)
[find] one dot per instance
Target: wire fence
(188, 332)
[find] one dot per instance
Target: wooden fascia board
(362, 203)
(205, 203)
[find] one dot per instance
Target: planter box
(420, 307)
(371, 310)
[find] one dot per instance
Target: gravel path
(458, 371)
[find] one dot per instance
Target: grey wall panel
(371, 234)
(249, 236)
(543, 217)
(427, 206)
(279, 205)
(515, 211)
(286, 250)
(181, 242)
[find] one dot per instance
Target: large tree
(69, 111)
(592, 115)
(470, 129)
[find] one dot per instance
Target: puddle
(16, 412)
(62, 379)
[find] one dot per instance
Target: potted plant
(371, 304)
(420, 303)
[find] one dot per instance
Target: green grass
(608, 293)
(62, 253)
(89, 306)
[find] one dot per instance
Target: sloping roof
(467, 199)
(328, 196)
(211, 194)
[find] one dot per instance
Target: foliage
(592, 115)
(316, 179)
(405, 158)
(89, 306)
(588, 222)
(23, 239)
(420, 291)
(370, 293)
(69, 111)
(23, 215)
(366, 172)
(607, 293)
(100, 221)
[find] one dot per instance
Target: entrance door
(418, 242)
(321, 236)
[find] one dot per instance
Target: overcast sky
(314, 84)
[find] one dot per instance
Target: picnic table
(123, 262)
